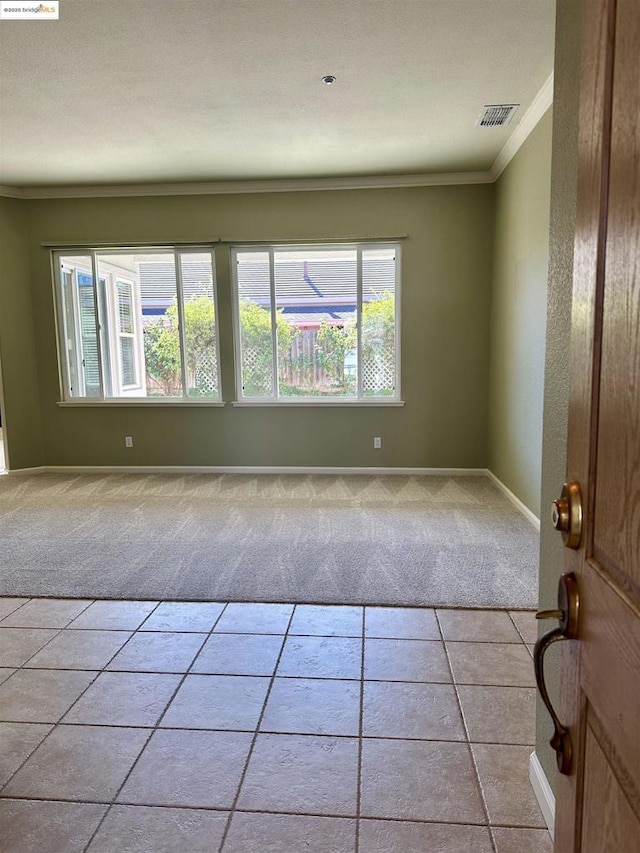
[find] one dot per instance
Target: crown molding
(236, 187)
(524, 128)
(11, 192)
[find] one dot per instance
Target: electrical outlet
(128, 441)
(377, 442)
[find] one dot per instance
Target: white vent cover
(496, 115)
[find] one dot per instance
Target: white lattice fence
(206, 373)
(378, 370)
(256, 370)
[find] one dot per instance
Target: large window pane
(319, 293)
(255, 321)
(316, 296)
(201, 345)
(148, 330)
(378, 338)
(144, 321)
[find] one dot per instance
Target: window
(317, 322)
(147, 330)
(126, 335)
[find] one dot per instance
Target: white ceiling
(122, 91)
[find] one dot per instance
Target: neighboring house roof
(315, 280)
(158, 281)
(313, 315)
(307, 291)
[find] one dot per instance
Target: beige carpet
(334, 539)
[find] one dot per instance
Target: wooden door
(598, 805)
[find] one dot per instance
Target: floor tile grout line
(520, 634)
(132, 631)
(183, 671)
(468, 742)
(190, 671)
(144, 630)
(27, 757)
(360, 734)
(27, 599)
(298, 734)
(281, 677)
(372, 604)
(153, 730)
(336, 636)
(256, 733)
(330, 815)
(400, 819)
(89, 601)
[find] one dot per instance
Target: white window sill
(141, 402)
(324, 402)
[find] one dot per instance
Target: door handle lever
(549, 614)
(567, 613)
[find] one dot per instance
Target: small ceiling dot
(328, 79)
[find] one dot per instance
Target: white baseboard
(17, 471)
(530, 516)
(258, 469)
(542, 790)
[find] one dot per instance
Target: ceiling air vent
(496, 115)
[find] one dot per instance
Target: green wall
(518, 307)
(21, 416)
(446, 279)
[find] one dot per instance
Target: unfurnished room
(319, 426)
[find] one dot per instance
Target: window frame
(135, 335)
(108, 328)
(64, 335)
(275, 400)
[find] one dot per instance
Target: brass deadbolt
(560, 515)
(566, 515)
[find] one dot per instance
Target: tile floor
(138, 727)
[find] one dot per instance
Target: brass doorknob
(566, 515)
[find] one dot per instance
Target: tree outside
(336, 343)
(257, 347)
(162, 350)
(333, 344)
(378, 341)
(311, 362)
